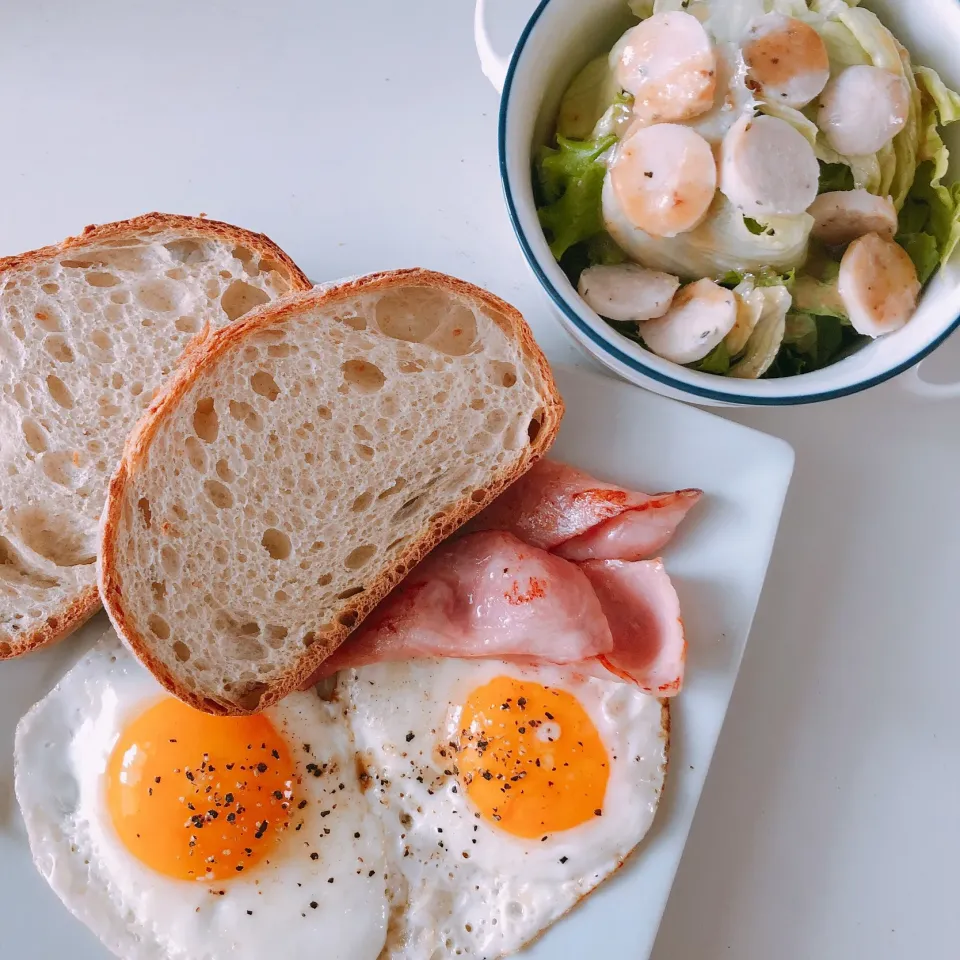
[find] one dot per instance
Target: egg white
(62, 748)
(506, 889)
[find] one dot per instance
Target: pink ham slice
(643, 613)
(485, 595)
(558, 508)
(491, 595)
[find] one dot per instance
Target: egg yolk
(196, 797)
(530, 758)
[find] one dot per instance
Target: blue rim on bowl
(608, 346)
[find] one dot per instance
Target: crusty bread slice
(89, 329)
(299, 463)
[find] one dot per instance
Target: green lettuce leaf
(835, 176)
(586, 100)
(923, 251)
(570, 177)
(931, 209)
(813, 342)
(717, 361)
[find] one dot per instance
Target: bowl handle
(915, 384)
(493, 64)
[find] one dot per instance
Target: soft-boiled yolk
(197, 797)
(530, 758)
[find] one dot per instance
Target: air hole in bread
(224, 472)
(407, 510)
(219, 494)
(533, 427)
(350, 592)
(348, 618)
(243, 255)
(406, 434)
(478, 496)
(249, 648)
(360, 556)
(187, 324)
(101, 340)
(181, 651)
(34, 435)
(396, 543)
(177, 273)
(264, 385)
(206, 423)
(441, 396)
(363, 375)
(240, 298)
(170, 560)
(184, 251)
(432, 436)
(495, 421)
(60, 467)
(48, 319)
(324, 412)
(309, 639)
(120, 296)
(159, 590)
(143, 505)
(14, 569)
(247, 451)
(18, 331)
(280, 350)
(116, 381)
(59, 349)
(324, 580)
(354, 321)
(503, 374)
(410, 366)
(196, 455)
(478, 403)
(158, 626)
(281, 596)
(410, 314)
(276, 543)
(50, 287)
(159, 296)
(6, 649)
(365, 452)
(59, 392)
(362, 502)
(276, 634)
(361, 432)
(242, 411)
(100, 278)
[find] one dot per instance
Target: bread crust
(76, 610)
(204, 354)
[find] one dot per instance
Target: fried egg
(173, 834)
(507, 792)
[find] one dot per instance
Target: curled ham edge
(603, 615)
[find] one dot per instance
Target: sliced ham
(643, 612)
(499, 592)
(556, 507)
(484, 595)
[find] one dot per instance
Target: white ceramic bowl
(560, 37)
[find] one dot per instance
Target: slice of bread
(89, 329)
(300, 463)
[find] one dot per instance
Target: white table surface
(361, 136)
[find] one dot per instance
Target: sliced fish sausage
(627, 291)
(878, 285)
(664, 177)
(786, 59)
(669, 65)
(845, 215)
(768, 168)
(702, 314)
(862, 109)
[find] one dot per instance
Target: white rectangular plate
(718, 562)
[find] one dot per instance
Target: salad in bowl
(751, 189)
